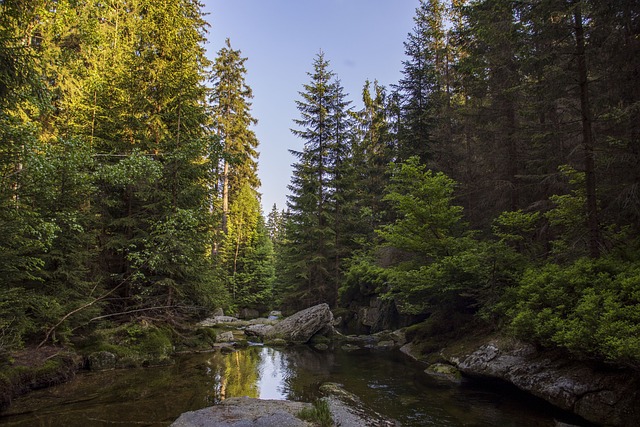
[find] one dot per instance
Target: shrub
(590, 307)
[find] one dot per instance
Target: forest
(496, 184)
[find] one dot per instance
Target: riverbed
(386, 381)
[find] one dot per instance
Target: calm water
(386, 381)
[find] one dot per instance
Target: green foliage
(590, 307)
(429, 222)
(363, 277)
(442, 263)
(568, 217)
(319, 414)
(516, 227)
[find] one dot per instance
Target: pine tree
(314, 231)
(232, 114)
(421, 86)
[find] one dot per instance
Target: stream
(386, 381)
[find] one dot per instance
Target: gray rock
(102, 361)
(246, 412)
(258, 330)
(350, 347)
(410, 350)
(217, 312)
(215, 320)
(301, 326)
(385, 345)
(225, 337)
(608, 397)
(399, 337)
(262, 321)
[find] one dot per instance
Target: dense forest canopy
(497, 180)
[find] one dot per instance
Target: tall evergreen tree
(314, 236)
(421, 86)
(232, 114)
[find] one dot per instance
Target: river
(386, 381)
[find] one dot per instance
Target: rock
(445, 372)
(275, 342)
(385, 345)
(301, 326)
(348, 410)
(246, 412)
(321, 346)
(399, 337)
(275, 315)
(102, 361)
(217, 312)
(262, 321)
(258, 330)
(602, 396)
(410, 350)
(350, 347)
(225, 337)
(215, 320)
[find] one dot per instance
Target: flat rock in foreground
(246, 412)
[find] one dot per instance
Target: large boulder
(301, 326)
(246, 412)
(259, 330)
(601, 395)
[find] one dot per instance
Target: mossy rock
(133, 344)
(445, 372)
(101, 361)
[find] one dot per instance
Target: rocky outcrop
(297, 328)
(246, 412)
(597, 394)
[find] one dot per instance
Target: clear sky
(362, 39)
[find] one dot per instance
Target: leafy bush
(591, 308)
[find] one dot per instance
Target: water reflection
(156, 396)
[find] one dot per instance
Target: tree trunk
(225, 196)
(587, 137)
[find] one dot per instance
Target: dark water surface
(386, 381)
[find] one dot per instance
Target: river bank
(600, 394)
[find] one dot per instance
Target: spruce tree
(231, 104)
(314, 230)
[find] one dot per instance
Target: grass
(319, 414)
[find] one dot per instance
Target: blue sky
(362, 39)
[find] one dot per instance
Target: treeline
(512, 192)
(127, 167)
